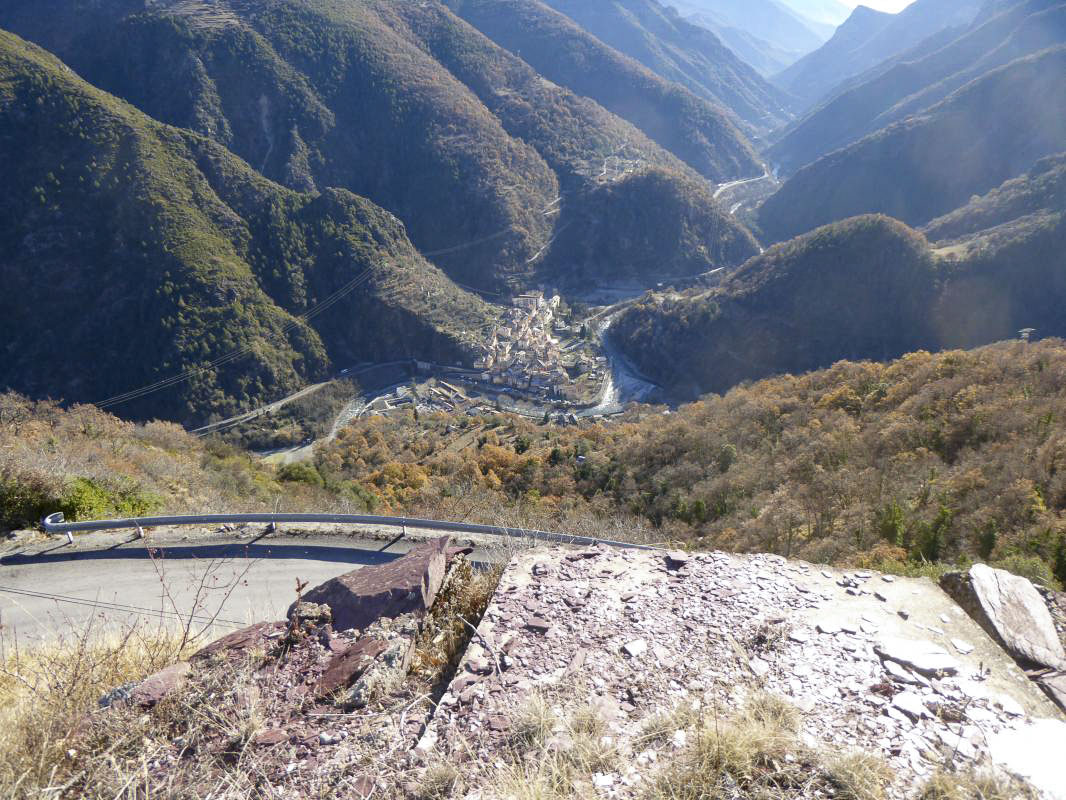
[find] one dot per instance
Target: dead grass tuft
(859, 776)
(49, 696)
(755, 753)
(971, 784)
(534, 723)
(661, 727)
(438, 782)
(458, 609)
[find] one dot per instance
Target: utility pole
(1026, 334)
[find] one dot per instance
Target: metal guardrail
(54, 523)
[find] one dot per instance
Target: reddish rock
(155, 688)
(676, 559)
(271, 737)
(581, 556)
(404, 586)
(345, 668)
(498, 723)
(363, 787)
(262, 634)
(537, 624)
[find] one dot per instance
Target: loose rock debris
(622, 641)
(869, 663)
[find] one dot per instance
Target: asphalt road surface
(220, 582)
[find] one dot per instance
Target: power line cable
(160, 612)
(165, 383)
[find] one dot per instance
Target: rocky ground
(891, 666)
(629, 658)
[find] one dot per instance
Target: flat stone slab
(155, 688)
(259, 635)
(347, 666)
(919, 655)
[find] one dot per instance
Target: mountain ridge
(930, 163)
(866, 39)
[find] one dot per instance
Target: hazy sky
(881, 5)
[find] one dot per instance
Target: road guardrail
(55, 523)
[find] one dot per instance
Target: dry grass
(755, 753)
(974, 785)
(555, 751)
(48, 697)
(859, 776)
(534, 724)
(438, 782)
(661, 727)
(456, 612)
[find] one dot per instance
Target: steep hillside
(765, 57)
(695, 130)
(921, 78)
(988, 131)
(402, 102)
(149, 252)
(857, 289)
(620, 227)
(315, 94)
(596, 156)
(868, 38)
(929, 458)
(1042, 190)
(684, 53)
(821, 12)
(868, 287)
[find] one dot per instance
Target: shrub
(301, 472)
(1028, 566)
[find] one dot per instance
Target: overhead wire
(226, 358)
(107, 606)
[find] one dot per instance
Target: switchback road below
(50, 589)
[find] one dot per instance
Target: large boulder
(1011, 610)
(407, 585)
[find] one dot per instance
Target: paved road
(51, 587)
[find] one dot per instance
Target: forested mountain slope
(867, 39)
(921, 78)
(858, 289)
(765, 57)
(867, 287)
(610, 173)
(687, 54)
(133, 252)
(1041, 191)
(401, 102)
(316, 94)
(927, 165)
(929, 458)
(698, 132)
